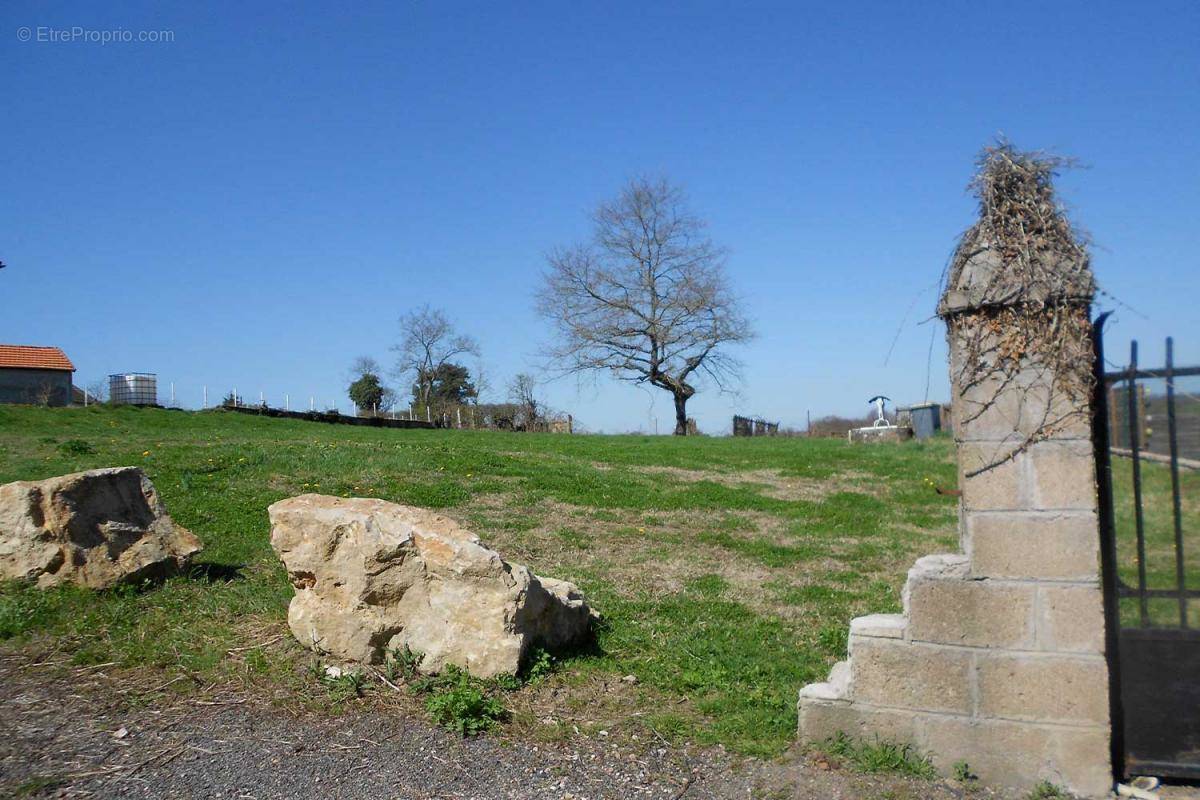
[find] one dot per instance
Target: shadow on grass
(587, 647)
(154, 578)
(216, 573)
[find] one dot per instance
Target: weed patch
(1048, 791)
(460, 703)
(342, 684)
(76, 447)
(880, 756)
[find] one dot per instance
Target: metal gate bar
(1180, 580)
(1181, 593)
(1108, 547)
(1154, 657)
(1134, 447)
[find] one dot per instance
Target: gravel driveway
(68, 733)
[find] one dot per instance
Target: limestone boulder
(96, 528)
(373, 576)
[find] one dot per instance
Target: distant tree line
(438, 385)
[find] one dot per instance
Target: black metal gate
(1149, 505)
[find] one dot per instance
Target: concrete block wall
(998, 659)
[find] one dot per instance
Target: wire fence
(149, 390)
(754, 426)
(1150, 411)
(145, 389)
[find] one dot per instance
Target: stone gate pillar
(998, 658)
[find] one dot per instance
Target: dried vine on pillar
(1018, 292)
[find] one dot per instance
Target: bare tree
(522, 391)
(647, 299)
(429, 342)
(97, 391)
(364, 365)
(483, 383)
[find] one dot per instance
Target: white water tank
(133, 389)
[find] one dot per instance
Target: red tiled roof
(25, 357)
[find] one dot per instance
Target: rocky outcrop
(95, 528)
(373, 576)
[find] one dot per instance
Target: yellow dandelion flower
(145, 452)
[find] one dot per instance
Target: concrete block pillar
(998, 659)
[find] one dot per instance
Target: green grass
(1158, 523)
(462, 703)
(877, 756)
(726, 569)
(38, 786)
(1048, 791)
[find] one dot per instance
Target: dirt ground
(74, 733)
(69, 732)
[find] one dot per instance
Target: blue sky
(256, 202)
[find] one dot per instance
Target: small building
(924, 418)
(35, 375)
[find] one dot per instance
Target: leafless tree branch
(428, 342)
(647, 299)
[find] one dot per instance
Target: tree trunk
(681, 414)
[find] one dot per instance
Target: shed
(35, 375)
(926, 419)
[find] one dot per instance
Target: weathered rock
(95, 528)
(373, 576)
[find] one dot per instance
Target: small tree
(449, 385)
(367, 393)
(521, 390)
(647, 299)
(97, 391)
(387, 400)
(429, 343)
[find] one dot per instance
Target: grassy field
(726, 569)
(1158, 525)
